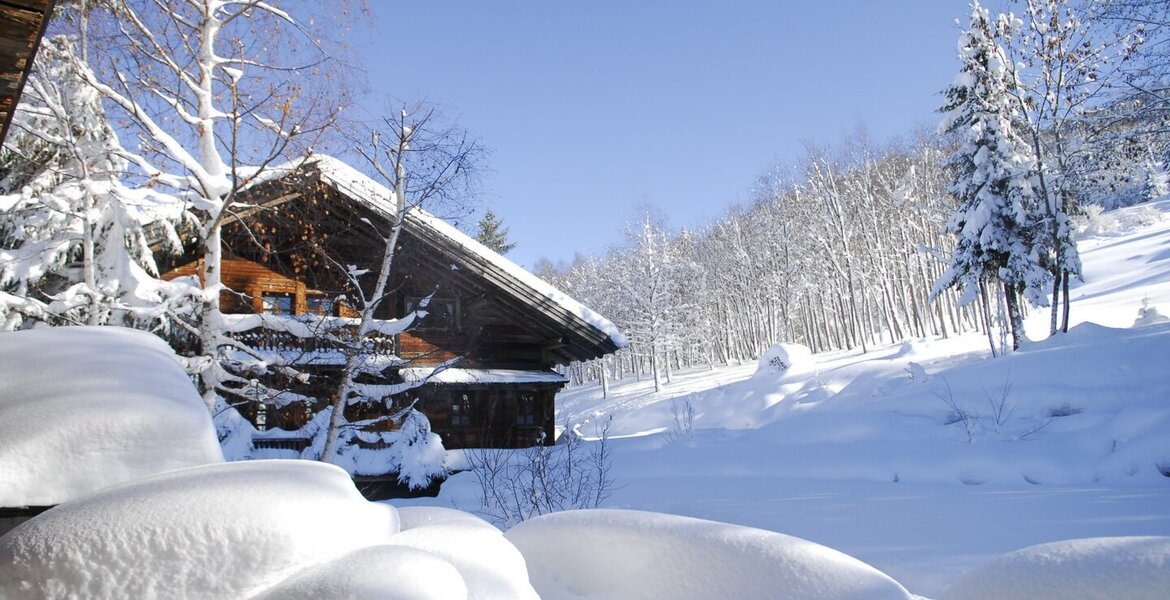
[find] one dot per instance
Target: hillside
(928, 457)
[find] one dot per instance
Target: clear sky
(591, 108)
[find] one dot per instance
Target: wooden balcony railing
(267, 340)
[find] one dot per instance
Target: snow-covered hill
(1084, 407)
(929, 457)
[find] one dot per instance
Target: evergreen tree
(493, 234)
(72, 247)
(999, 220)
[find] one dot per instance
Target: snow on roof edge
(454, 375)
(363, 188)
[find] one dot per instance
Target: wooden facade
(508, 333)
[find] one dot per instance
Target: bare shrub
(683, 421)
(516, 485)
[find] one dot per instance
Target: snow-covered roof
(374, 195)
(418, 374)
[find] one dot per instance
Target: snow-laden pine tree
(493, 234)
(72, 243)
(999, 219)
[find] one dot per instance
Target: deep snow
(285, 528)
(83, 408)
(631, 555)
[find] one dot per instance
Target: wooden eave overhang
(22, 25)
(570, 337)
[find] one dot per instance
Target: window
(320, 305)
(442, 314)
(526, 410)
(461, 410)
(277, 304)
(262, 417)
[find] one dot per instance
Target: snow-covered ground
(921, 468)
(928, 458)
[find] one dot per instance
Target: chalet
(502, 328)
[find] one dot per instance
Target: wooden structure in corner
(284, 255)
(22, 24)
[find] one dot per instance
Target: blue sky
(590, 109)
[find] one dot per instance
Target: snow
(234, 530)
(225, 530)
(450, 375)
(620, 554)
(82, 408)
(381, 572)
(1134, 568)
(492, 567)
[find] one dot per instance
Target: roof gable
(584, 333)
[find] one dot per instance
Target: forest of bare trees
(842, 250)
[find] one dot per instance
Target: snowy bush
(1134, 568)
(786, 359)
(1096, 221)
(1149, 315)
(622, 554)
(418, 452)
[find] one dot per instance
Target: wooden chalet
(507, 328)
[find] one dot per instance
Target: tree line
(963, 229)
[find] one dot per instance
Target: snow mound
(1149, 315)
(375, 572)
(218, 531)
(492, 567)
(618, 554)
(1134, 568)
(83, 408)
(786, 359)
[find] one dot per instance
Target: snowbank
(277, 528)
(226, 531)
(382, 572)
(82, 408)
(1134, 568)
(618, 554)
(492, 567)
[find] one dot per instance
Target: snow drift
(225, 530)
(281, 528)
(82, 408)
(616, 554)
(1134, 568)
